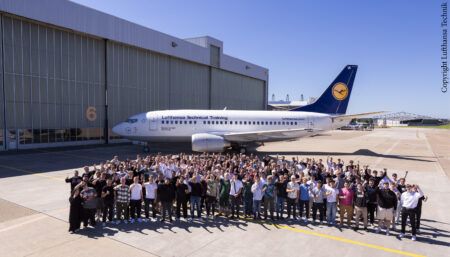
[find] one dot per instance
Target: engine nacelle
(204, 142)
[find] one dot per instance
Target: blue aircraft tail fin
(335, 99)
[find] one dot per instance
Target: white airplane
(218, 130)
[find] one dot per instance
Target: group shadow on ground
(429, 233)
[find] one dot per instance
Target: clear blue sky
(306, 43)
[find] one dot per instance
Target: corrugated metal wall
(140, 80)
(54, 83)
(236, 92)
(51, 78)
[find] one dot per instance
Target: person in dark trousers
(89, 196)
(166, 195)
(182, 192)
(76, 211)
(196, 194)
(409, 200)
(371, 190)
(280, 186)
(107, 194)
(419, 212)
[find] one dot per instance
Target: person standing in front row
(346, 204)
(257, 190)
(361, 201)
(122, 200)
(387, 202)
(409, 200)
(107, 194)
(332, 196)
(269, 199)
(166, 195)
(150, 196)
(235, 195)
(292, 191)
(136, 200)
(317, 193)
(76, 210)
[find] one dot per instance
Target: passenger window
(245, 123)
(221, 122)
(190, 122)
(195, 122)
(270, 123)
(171, 122)
(292, 123)
(240, 122)
(267, 123)
(295, 123)
(284, 123)
(204, 122)
(209, 122)
(279, 123)
(162, 122)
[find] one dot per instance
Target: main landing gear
(146, 148)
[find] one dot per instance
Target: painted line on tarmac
(348, 241)
(30, 172)
(23, 223)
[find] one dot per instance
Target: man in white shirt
(332, 193)
(235, 195)
(150, 196)
(257, 196)
(135, 200)
(409, 200)
(292, 190)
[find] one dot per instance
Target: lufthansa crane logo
(340, 91)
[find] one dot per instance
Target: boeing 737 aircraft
(218, 130)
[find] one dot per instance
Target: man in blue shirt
(303, 203)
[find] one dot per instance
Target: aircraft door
(311, 123)
(153, 125)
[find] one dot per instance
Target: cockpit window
(131, 120)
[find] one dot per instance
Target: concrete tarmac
(34, 204)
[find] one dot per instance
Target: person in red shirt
(346, 204)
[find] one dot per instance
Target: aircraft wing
(267, 135)
(354, 116)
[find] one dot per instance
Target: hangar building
(69, 73)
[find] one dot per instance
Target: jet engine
(204, 142)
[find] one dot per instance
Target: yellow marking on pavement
(349, 241)
(23, 223)
(30, 172)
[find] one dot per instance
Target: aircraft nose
(118, 129)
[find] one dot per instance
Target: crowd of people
(161, 187)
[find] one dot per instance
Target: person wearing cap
(409, 200)
(387, 203)
(292, 191)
